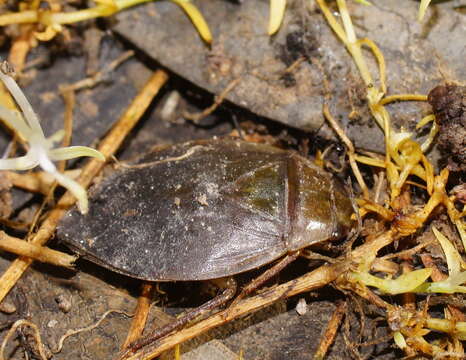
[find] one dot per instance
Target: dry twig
(332, 327)
(140, 316)
(92, 81)
(36, 252)
(351, 152)
(218, 100)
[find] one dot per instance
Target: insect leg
(267, 275)
(219, 300)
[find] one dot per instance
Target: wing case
(194, 211)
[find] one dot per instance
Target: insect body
(208, 209)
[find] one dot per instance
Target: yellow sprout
(53, 19)
(415, 281)
(196, 17)
(364, 2)
(433, 131)
(454, 260)
(456, 277)
(422, 9)
(399, 340)
(277, 12)
(403, 156)
(405, 283)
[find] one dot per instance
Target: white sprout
(41, 150)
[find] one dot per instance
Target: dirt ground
(287, 108)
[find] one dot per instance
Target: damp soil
(268, 101)
(449, 105)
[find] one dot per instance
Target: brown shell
(207, 209)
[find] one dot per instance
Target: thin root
(197, 117)
(37, 338)
(87, 328)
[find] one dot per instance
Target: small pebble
(177, 201)
(64, 303)
(7, 307)
(170, 105)
(202, 199)
(52, 323)
(301, 307)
